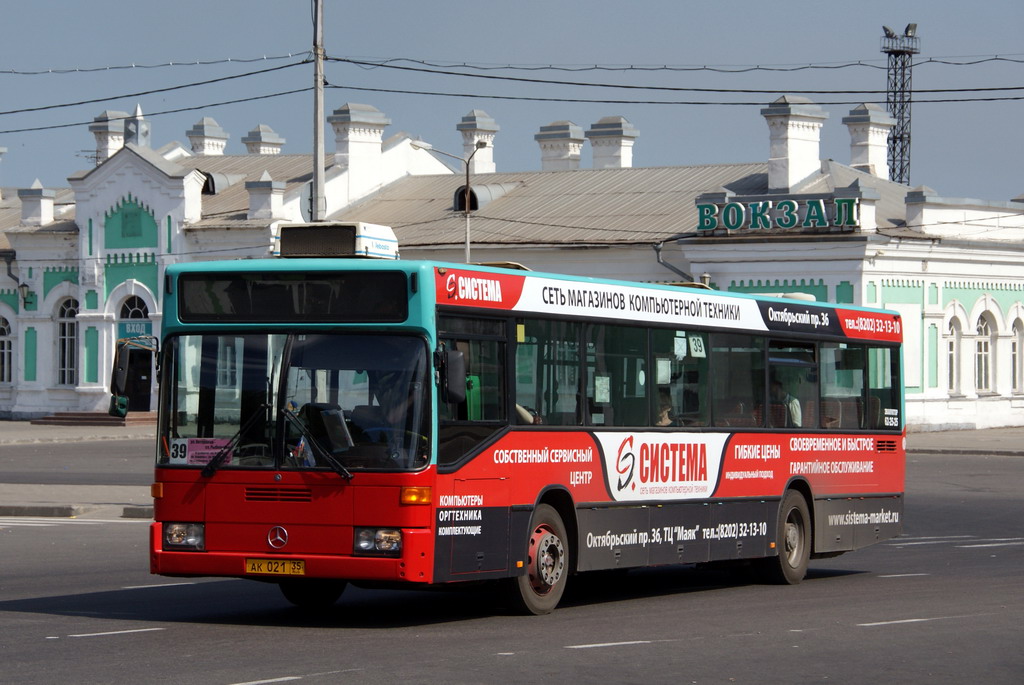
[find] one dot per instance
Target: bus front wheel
(312, 593)
(539, 590)
(793, 541)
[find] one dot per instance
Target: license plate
(276, 567)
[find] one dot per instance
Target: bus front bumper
(413, 565)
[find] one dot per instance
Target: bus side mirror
(453, 382)
(118, 406)
(119, 378)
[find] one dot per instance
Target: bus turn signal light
(416, 495)
(156, 490)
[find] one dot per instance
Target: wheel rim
(547, 559)
(794, 538)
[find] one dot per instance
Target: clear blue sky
(961, 149)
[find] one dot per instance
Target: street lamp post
(480, 145)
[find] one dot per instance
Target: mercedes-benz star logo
(277, 537)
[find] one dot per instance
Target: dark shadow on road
(234, 602)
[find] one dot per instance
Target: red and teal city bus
(327, 421)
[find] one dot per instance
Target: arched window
(67, 343)
(6, 352)
(983, 356)
(134, 308)
(953, 356)
(1017, 357)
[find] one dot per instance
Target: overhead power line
(606, 101)
(718, 69)
(160, 65)
(674, 89)
(169, 111)
(972, 60)
(151, 92)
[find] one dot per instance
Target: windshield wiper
(319, 449)
(218, 459)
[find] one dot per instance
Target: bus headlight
(185, 536)
(386, 541)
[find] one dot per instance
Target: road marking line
(118, 632)
(272, 680)
(904, 620)
(917, 620)
(992, 544)
(14, 524)
(609, 644)
(904, 575)
(147, 587)
(934, 537)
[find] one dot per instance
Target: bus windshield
(296, 401)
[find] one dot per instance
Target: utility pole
(897, 101)
(317, 201)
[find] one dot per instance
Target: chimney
(611, 142)
(794, 125)
(358, 131)
(477, 126)
(560, 145)
(36, 205)
(266, 198)
(136, 129)
(869, 127)
(263, 141)
(207, 137)
(108, 129)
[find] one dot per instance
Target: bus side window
(737, 368)
(680, 375)
(792, 385)
(842, 386)
(465, 424)
(883, 407)
(547, 372)
(616, 376)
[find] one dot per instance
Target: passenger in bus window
(794, 417)
(666, 417)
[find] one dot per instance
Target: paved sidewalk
(131, 501)
(23, 432)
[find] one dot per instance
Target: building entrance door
(139, 383)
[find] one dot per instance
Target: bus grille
(885, 446)
(275, 494)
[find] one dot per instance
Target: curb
(69, 511)
(137, 512)
(43, 510)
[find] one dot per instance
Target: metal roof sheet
(583, 206)
(587, 206)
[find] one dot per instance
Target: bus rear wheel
(312, 593)
(793, 540)
(540, 589)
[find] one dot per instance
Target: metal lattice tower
(897, 99)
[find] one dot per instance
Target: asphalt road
(943, 604)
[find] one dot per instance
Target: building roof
(10, 214)
(584, 206)
(229, 205)
(587, 206)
